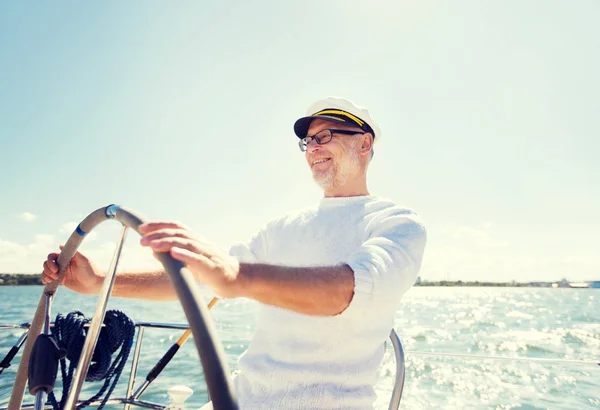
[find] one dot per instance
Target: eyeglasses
(323, 137)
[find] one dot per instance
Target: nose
(312, 145)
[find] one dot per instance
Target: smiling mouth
(320, 161)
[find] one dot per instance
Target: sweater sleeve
(388, 261)
(249, 252)
(253, 251)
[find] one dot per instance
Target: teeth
(318, 161)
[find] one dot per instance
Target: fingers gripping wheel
(210, 350)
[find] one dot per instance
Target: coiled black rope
(116, 334)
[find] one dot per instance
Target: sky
(184, 111)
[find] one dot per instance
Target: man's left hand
(209, 264)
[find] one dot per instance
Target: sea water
(512, 322)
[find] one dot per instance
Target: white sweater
(298, 361)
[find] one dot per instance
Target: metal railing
(133, 397)
(400, 371)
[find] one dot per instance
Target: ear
(367, 144)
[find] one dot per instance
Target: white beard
(337, 175)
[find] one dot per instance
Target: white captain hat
(341, 111)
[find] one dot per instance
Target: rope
(70, 332)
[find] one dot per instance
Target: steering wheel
(209, 348)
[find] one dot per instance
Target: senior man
(328, 279)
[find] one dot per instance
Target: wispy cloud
(133, 258)
(29, 258)
(27, 216)
(11, 249)
(42, 245)
(12, 257)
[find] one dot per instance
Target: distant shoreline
(460, 283)
(21, 279)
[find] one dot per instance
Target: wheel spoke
(94, 330)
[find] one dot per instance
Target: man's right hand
(81, 275)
